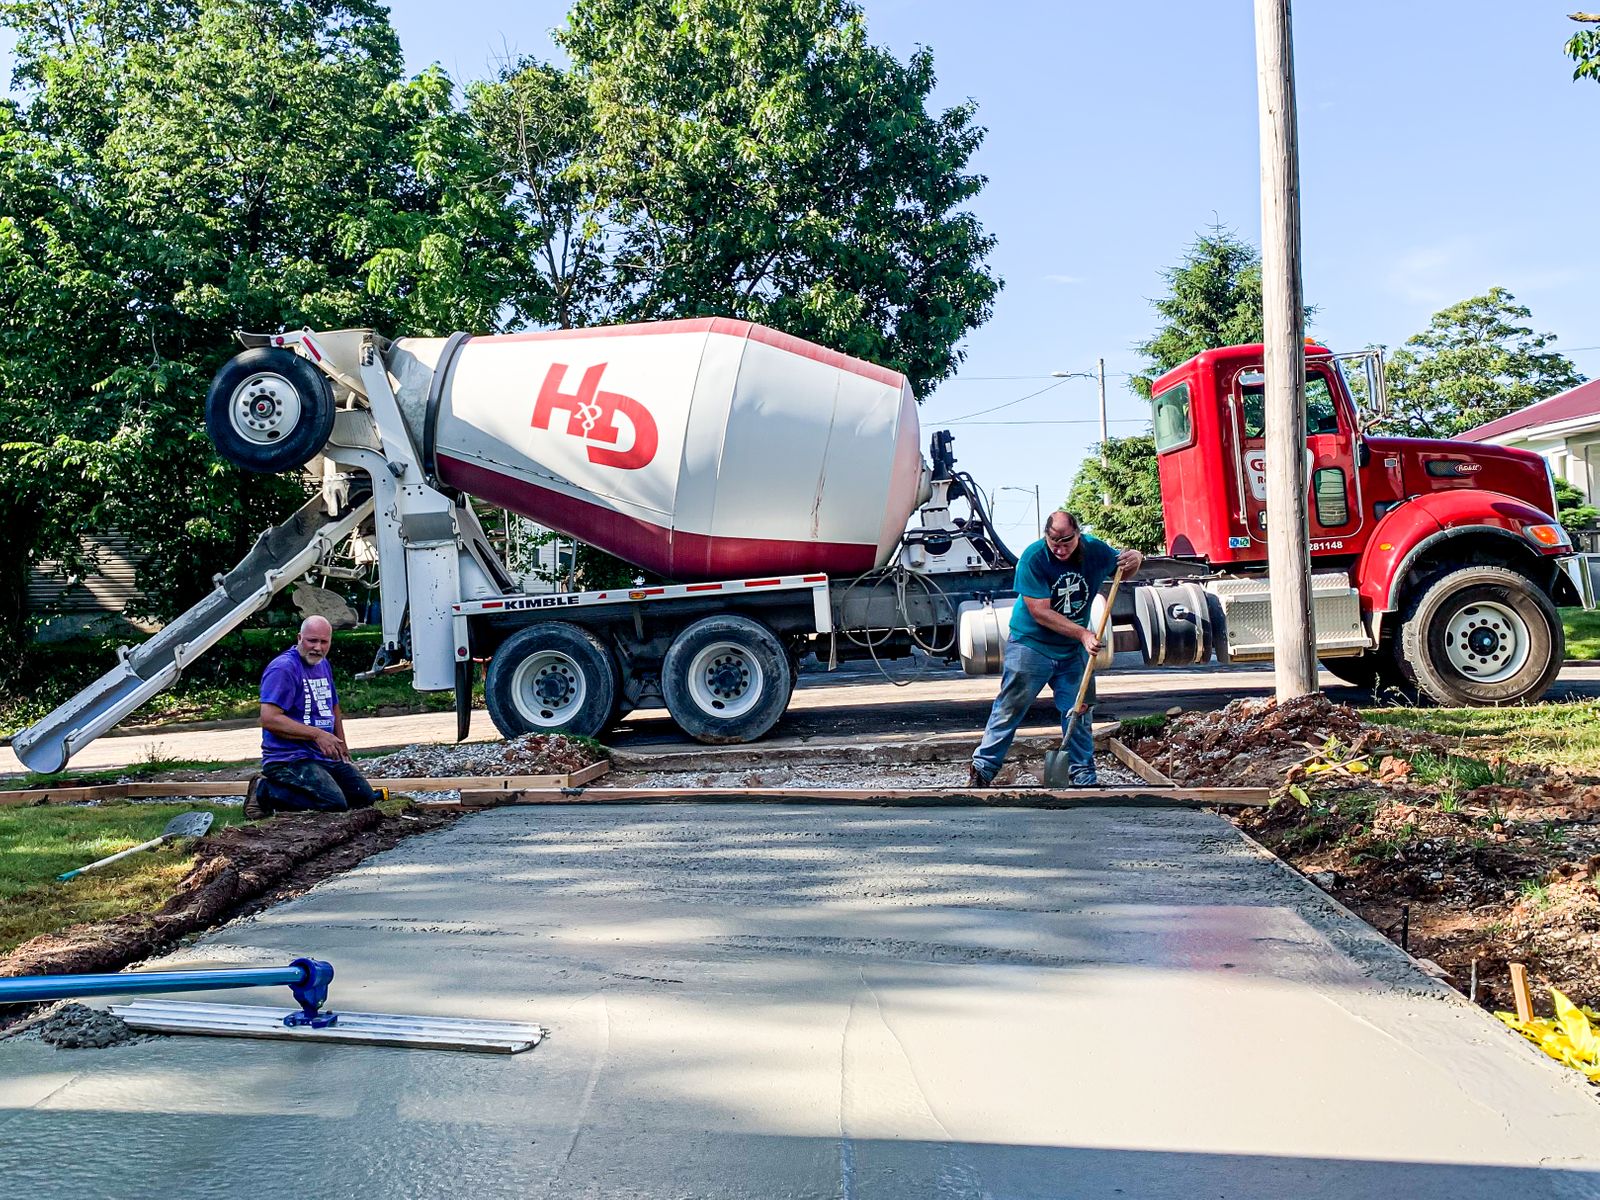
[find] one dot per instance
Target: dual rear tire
(725, 679)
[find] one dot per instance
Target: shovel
(189, 824)
(1057, 771)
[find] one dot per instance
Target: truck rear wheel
(552, 678)
(269, 410)
(726, 679)
(1480, 636)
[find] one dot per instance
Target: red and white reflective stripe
(817, 584)
(306, 341)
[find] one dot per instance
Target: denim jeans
(315, 785)
(1023, 675)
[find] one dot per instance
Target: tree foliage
(762, 159)
(1119, 500)
(1583, 48)
(173, 170)
(1476, 362)
(177, 171)
(1213, 299)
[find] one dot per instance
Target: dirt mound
(530, 754)
(237, 870)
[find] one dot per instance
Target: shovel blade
(1057, 769)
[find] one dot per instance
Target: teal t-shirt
(1070, 587)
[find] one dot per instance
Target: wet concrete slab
(793, 1001)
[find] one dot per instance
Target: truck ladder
(279, 557)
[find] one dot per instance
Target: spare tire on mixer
(269, 410)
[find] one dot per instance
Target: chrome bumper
(1576, 568)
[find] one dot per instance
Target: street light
(1038, 520)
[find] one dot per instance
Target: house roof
(1581, 401)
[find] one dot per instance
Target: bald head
(1061, 534)
(316, 637)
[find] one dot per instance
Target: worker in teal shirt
(1051, 642)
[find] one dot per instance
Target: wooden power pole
(1288, 551)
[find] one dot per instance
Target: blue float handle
(307, 978)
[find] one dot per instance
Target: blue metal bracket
(311, 993)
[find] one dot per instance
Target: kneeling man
(1051, 642)
(305, 764)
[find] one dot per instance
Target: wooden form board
(236, 787)
(1139, 767)
(894, 797)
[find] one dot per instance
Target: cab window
(1322, 415)
(1171, 419)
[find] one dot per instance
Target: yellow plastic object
(1570, 1038)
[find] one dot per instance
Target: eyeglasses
(1063, 540)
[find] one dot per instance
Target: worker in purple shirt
(1051, 642)
(305, 764)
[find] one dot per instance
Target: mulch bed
(1502, 872)
(238, 871)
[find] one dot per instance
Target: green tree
(761, 159)
(1119, 500)
(1476, 362)
(1213, 299)
(177, 171)
(1584, 48)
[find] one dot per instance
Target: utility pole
(1100, 372)
(1288, 550)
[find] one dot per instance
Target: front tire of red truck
(552, 678)
(1480, 636)
(726, 679)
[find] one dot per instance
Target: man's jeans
(314, 785)
(1024, 673)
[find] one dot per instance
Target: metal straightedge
(352, 1028)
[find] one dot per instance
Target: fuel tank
(696, 449)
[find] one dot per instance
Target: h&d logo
(592, 415)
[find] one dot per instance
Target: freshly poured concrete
(803, 1002)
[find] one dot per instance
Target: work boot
(977, 779)
(255, 808)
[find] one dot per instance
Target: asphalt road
(774, 1002)
(854, 704)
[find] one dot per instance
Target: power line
(1018, 400)
(1081, 421)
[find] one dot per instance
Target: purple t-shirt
(304, 693)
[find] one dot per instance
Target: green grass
(1583, 632)
(1566, 734)
(37, 844)
(154, 766)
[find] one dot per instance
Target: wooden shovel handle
(1105, 619)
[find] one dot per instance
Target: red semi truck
(1438, 565)
(777, 489)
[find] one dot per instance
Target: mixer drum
(695, 449)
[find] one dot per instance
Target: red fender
(1422, 523)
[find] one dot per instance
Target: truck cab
(1451, 550)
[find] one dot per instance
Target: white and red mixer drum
(696, 449)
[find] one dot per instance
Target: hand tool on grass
(189, 824)
(1057, 770)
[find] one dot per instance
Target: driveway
(796, 1001)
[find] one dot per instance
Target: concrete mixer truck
(777, 490)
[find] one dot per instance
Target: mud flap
(465, 673)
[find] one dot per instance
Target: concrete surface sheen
(773, 1002)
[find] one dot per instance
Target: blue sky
(1445, 149)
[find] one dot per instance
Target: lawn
(1550, 734)
(1583, 632)
(37, 844)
